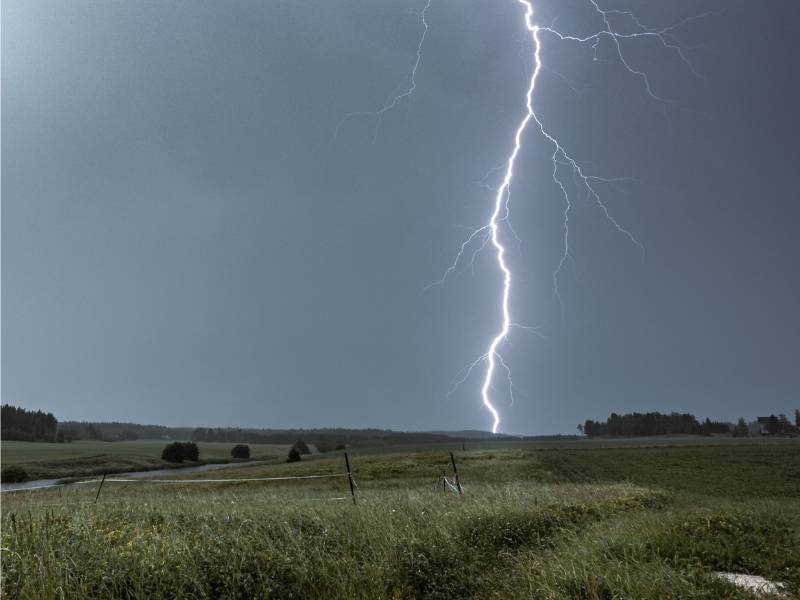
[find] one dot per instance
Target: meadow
(91, 457)
(593, 523)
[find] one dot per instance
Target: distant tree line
(82, 431)
(779, 425)
(113, 431)
(640, 424)
(655, 423)
(229, 434)
(652, 423)
(27, 425)
(325, 440)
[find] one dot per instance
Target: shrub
(301, 447)
(179, 451)
(190, 451)
(13, 474)
(173, 452)
(240, 451)
(294, 455)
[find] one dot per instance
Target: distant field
(88, 457)
(578, 443)
(593, 523)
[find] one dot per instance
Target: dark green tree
(172, 452)
(773, 425)
(27, 425)
(190, 451)
(240, 451)
(179, 451)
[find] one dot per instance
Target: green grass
(91, 457)
(560, 524)
(740, 471)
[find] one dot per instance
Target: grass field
(589, 523)
(90, 457)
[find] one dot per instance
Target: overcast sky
(183, 242)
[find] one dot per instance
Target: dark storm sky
(182, 243)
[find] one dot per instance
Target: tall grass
(516, 533)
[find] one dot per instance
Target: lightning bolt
(501, 208)
(490, 231)
(561, 158)
(412, 85)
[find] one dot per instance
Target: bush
(240, 451)
(294, 455)
(13, 474)
(179, 451)
(301, 447)
(173, 452)
(190, 451)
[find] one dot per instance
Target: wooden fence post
(349, 477)
(455, 473)
(102, 481)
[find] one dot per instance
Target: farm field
(561, 523)
(90, 457)
(583, 443)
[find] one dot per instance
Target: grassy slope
(543, 524)
(88, 457)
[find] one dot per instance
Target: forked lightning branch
(617, 27)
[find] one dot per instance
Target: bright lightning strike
(501, 207)
(490, 231)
